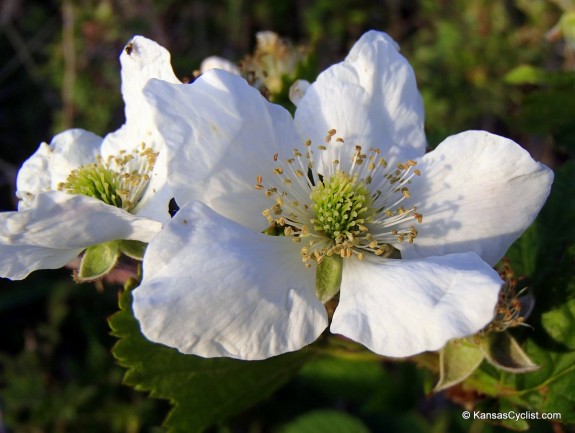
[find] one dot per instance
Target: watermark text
(510, 415)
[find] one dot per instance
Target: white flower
(81, 190)
(349, 183)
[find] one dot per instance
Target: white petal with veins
(477, 192)
(228, 292)
(404, 307)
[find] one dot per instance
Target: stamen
(344, 213)
(119, 181)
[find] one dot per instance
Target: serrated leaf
(457, 360)
(502, 351)
(560, 323)
(133, 249)
(550, 389)
(98, 260)
(325, 421)
(202, 391)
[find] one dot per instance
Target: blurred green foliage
(484, 64)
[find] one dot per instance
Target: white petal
(63, 220)
(214, 288)
(155, 202)
(215, 62)
(404, 307)
(52, 163)
(222, 134)
(18, 261)
(21, 260)
(477, 192)
(371, 99)
(58, 226)
(142, 59)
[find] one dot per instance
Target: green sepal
(457, 360)
(502, 351)
(328, 277)
(97, 261)
(133, 249)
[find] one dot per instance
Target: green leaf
(356, 380)
(525, 74)
(502, 351)
(516, 424)
(552, 387)
(365, 382)
(202, 391)
(325, 421)
(328, 277)
(133, 249)
(457, 360)
(98, 260)
(560, 323)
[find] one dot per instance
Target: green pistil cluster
(341, 205)
(346, 212)
(95, 180)
(118, 181)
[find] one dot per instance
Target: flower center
(118, 181)
(341, 205)
(345, 210)
(95, 180)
